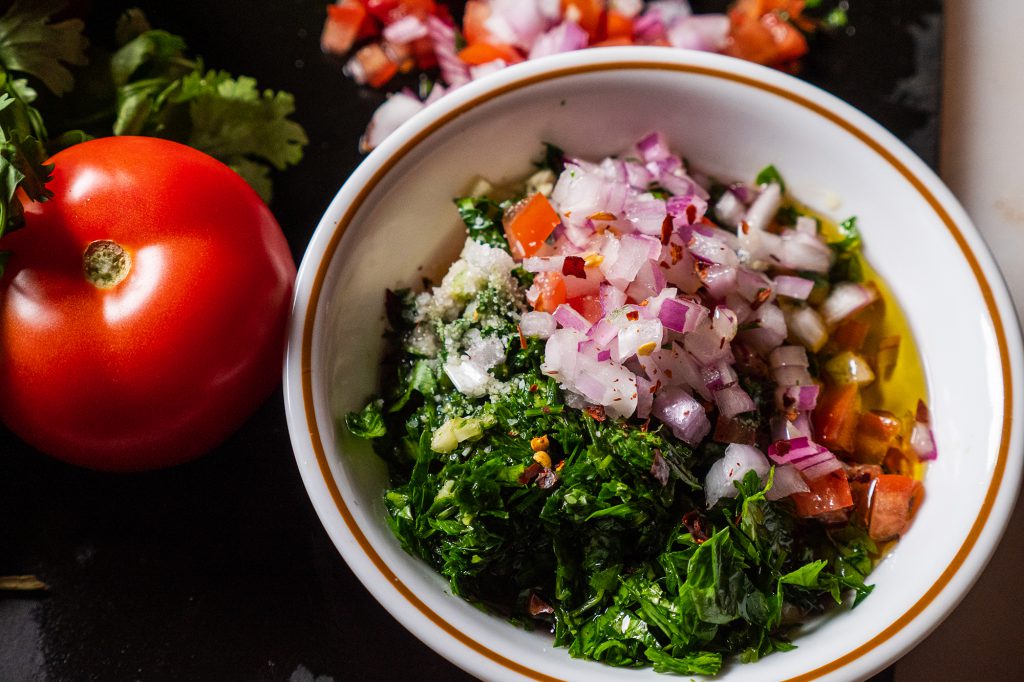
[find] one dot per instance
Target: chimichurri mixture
(644, 410)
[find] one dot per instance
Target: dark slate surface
(219, 569)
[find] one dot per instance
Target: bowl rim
(311, 450)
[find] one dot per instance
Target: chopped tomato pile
(384, 38)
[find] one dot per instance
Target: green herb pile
(609, 543)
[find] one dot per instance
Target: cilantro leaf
(233, 119)
(482, 217)
(368, 422)
(163, 93)
(770, 175)
(30, 44)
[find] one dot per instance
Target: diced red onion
(653, 147)
(729, 209)
(537, 324)
(398, 109)
(682, 414)
(793, 287)
(806, 224)
(733, 400)
(523, 21)
(734, 465)
(711, 250)
(724, 323)
(751, 285)
(561, 353)
(789, 355)
(801, 397)
(644, 397)
(719, 376)
(803, 251)
(785, 481)
(719, 280)
(707, 32)
(565, 37)
(922, 440)
(638, 336)
(822, 468)
(611, 298)
(770, 331)
(442, 38)
(647, 214)
(792, 375)
(487, 68)
(567, 316)
(681, 315)
(706, 346)
(845, 299)
(405, 30)
(649, 282)
(764, 208)
(806, 327)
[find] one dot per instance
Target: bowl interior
(394, 224)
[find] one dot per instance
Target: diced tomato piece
(586, 13)
(382, 10)
(547, 292)
(473, 18)
(588, 306)
(894, 500)
(899, 461)
(836, 417)
(617, 25)
(760, 32)
(850, 334)
(421, 8)
(481, 53)
(877, 431)
(789, 42)
(371, 65)
(828, 494)
(528, 224)
(342, 27)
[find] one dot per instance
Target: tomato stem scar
(105, 263)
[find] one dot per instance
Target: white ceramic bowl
(393, 222)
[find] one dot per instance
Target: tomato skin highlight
(836, 417)
(550, 290)
(828, 494)
(163, 366)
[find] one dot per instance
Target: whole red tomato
(157, 367)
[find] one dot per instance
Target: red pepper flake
(538, 606)
(522, 338)
(744, 227)
(782, 448)
(531, 472)
(574, 266)
(633, 315)
(695, 524)
(645, 427)
(533, 388)
(666, 229)
(762, 296)
(676, 252)
(691, 214)
(596, 412)
(546, 409)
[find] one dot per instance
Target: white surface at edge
(982, 147)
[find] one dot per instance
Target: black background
(219, 569)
